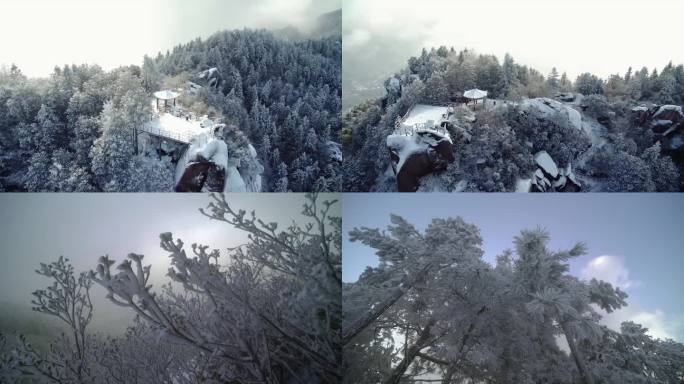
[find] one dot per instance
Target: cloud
(500, 26)
(659, 324)
(614, 270)
(358, 37)
(611, 269)
(286, 11)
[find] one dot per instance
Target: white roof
(475, 94)
(166, 95)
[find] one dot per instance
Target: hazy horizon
(603, 38)
(115, 33)
(82, 227)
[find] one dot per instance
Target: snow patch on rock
(404, 146)
(667, 108)
(547, 108)
(546, 163)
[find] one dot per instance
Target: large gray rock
(210, 77)
(544, 109)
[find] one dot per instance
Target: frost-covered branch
(272, 311)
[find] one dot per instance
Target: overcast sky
(40, 227)
(635, 240)
(599, 36)
(39, 34)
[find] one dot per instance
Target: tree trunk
(410, 355)
(576, 355)
(396, 294)
(464, 340)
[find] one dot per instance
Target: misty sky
(635, 240)
(602, 37)
(40, 227)
(39, 34)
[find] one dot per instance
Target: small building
(168, 98)
(474, 96)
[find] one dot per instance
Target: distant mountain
(326, 25)
(38, 328)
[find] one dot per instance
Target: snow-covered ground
(421, 114)
(523, 185)
(176, 128)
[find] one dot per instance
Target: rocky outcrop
(208, 165)
(393, 87)
(549, 178)
(545, 109)
(417, 155)
(210, 78)
(667, 122)
(201, 176)
(334, 151)
(566, 97)
(392, 91)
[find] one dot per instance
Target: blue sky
(635, 240)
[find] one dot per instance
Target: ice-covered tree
(433, 307)
(553, 79)
(67, 361)
(270, 315)
(268, 311)
(510, 78)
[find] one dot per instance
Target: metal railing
(183, 137)
(419, 127)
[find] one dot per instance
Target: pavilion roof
(475, 94)
(166, 95)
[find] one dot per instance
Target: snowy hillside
(529, 132)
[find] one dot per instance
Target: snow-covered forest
(622, 133)
(434, 311)
(267, 311)
(278, 100)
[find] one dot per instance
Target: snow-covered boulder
(334, 151)
(416, 155)
(669, 112)
(667, 122)
(546, 164)
(640, 114)
(544, 108)
(658, 117)
(549, 178)
(393, 87)
(210, 77)
(207, 166)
